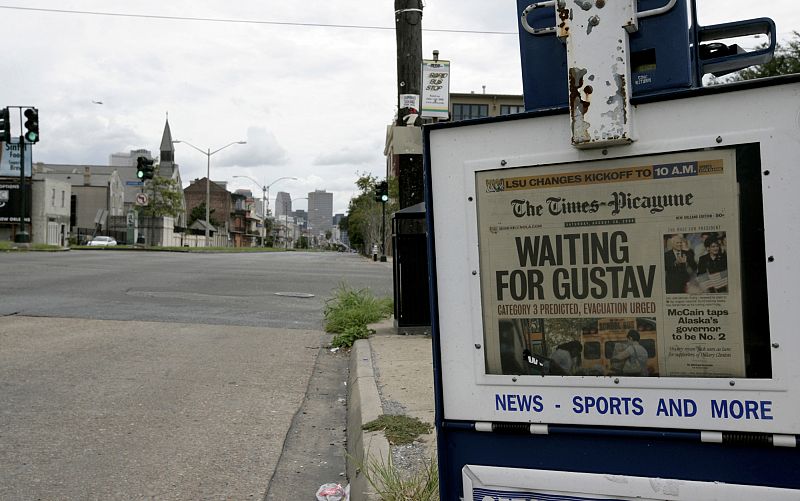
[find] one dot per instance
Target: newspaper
(625, 267)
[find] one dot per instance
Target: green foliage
(364, 215)
(301, 243)
(785, 62)
(199, 213)
(350, 311)
(166, 197)
(350, 335)
(393, 485)
(399, 429)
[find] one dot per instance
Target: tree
(301, 243)
(267, 227)
(199, 213)
(165, 197)
(363, 220)
(785, 62)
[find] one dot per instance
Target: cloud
(262, 148)
(349, 156)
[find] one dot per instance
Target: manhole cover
(294, 294)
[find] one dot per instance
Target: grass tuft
(349, 312)
(393, 485)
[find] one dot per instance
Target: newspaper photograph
(624, 267)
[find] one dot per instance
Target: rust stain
(575, 84)
(578, 106)
(600, 4)
(622, 91)
(618, 107)
(563, 12)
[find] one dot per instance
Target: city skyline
(308, 99)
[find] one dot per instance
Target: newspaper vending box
(614, 288)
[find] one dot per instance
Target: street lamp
(273, 182)
(265, 200)
(208, 154)
(263, 209)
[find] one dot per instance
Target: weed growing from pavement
(350, 311)
(399, 429)
(393, 485)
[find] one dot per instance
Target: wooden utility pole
(408, 25)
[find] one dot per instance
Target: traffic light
(32, 125)
(144, 168)
(382, 192)
(5, 126)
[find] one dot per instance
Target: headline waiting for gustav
(612, 268)
(586, 265)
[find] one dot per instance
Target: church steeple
(167, 148)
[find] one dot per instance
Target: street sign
(142, 199)
(10, 154)
(435, 88)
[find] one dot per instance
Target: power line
(241, 21)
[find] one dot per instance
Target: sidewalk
(389, 374)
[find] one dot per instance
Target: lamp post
(263, 210)
(273, 182)
(265, 200)
(208, 154)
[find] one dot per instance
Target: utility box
(409, 241)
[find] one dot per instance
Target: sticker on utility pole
(409, 101)
(10, 154)
(435, 88)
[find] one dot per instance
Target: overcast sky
(312, 102)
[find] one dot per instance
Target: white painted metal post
(598, 54)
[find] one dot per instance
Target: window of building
(63, 194)
(508, 109)
(469, 111)
(53, 198)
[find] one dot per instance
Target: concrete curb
(363, 405)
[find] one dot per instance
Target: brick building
(221, 205)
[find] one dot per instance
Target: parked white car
(102, 242)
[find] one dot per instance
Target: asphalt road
(225, 289)
(148, 375)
